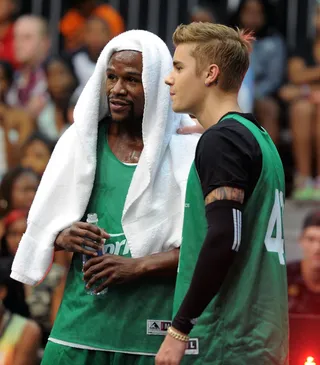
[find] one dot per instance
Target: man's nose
(169, 79)
(119, 88)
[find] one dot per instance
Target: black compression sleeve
(215, 258)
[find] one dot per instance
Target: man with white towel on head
(123, 160)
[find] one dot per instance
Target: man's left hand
(171, 352)
(113, 269)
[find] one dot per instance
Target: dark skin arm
(73, 238)
(115, 269)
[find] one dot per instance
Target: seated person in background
(31, 41)
(97, 35)
(62, 83)
(17, 189)
(19, 337)
(15, 124)
(8, 8)
(36, 153)
(72, 25)
(304, 275)
(303, 95)
(40, 299)
(268, 60)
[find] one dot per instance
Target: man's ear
(212, 76)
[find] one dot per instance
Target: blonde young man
(232, 300)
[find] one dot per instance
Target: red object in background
(7, 48)
(304, 339)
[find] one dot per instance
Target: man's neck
(311, 277)
(215, 107)
(126, 130)
(125, 143)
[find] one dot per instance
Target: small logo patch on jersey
(156, 327)
(192, 347)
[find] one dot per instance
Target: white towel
(153, 212)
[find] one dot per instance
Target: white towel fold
(153, 213)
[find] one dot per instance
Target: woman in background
(268, 61)
(15, 124)
(62, 83)
(19, 336)
(17, 189)
(302, 93)
(36, 152)
(43, 300)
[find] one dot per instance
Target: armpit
(225, 193)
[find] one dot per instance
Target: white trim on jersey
(237, 225)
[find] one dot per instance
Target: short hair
(43, 23)
(311, 220)
(228, 48)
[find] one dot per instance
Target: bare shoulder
(32, 329)
(225, 193)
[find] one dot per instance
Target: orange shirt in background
(73, 23)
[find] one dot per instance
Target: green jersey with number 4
(247, 321)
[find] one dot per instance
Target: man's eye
(111, 76)
(132, 79)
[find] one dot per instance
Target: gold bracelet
(178, 336)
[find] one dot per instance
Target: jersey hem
(84, 347)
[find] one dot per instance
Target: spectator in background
(40, 299)
(8, 8)
(303, 95)
(97, 35)
(202, 13)
(268, 60)
(31, 41)
(17, 189)
(72, 25)
(19, 337)
(304, 275)
(15, 124)
(72, 104)
(62, 83)
(36, 153)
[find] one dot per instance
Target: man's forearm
(160, 264)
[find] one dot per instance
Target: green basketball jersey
(247, 321)
(129, 318)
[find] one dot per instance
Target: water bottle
(92, 218)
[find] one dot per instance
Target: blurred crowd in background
(42, 74)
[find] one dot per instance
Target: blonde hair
(226, 47)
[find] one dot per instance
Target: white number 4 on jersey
(276, 244)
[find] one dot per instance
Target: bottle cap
(92, 218)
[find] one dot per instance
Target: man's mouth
(117, 105)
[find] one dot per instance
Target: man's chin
(178, 109)
(119, 118)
